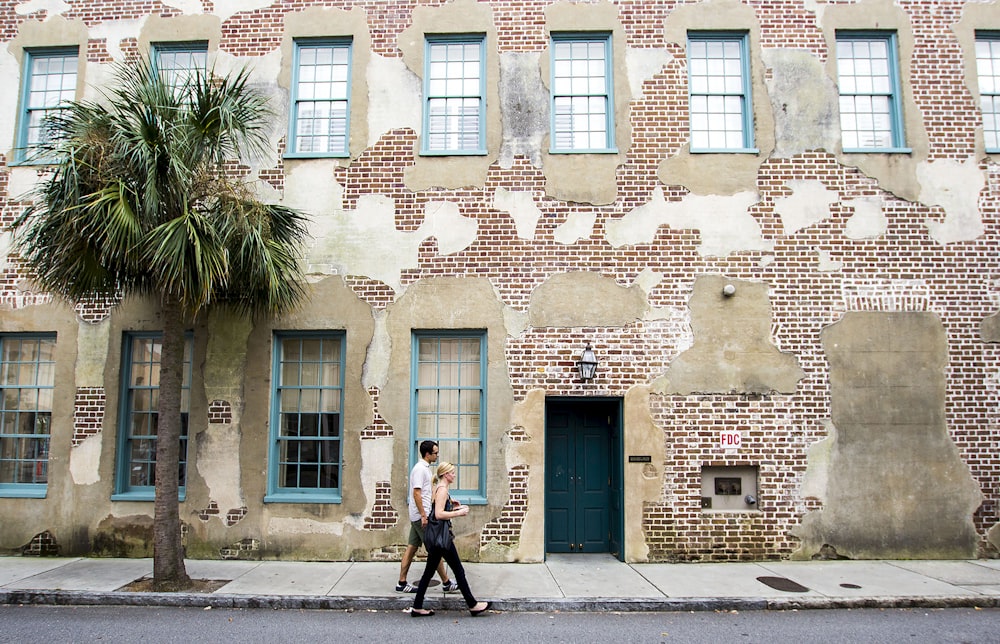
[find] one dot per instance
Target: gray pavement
(563, 583)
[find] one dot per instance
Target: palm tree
(143, 200)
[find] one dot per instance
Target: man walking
(419, 502)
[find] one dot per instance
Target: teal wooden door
(578, 489)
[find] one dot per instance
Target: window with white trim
(27, 377)
(139, 416)
(49, 81)
(454, 95)
(449, 404)
(582, 97)
(988, 71)
(321, 93)
(719, 92)
(177, 62)
(868, 77)
(307, 399)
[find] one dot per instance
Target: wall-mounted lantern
(587, 364)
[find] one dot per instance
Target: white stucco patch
(227, 8)
(723, 221)
(51, 7)
(826, 264)
(311, 187)
(642, 65)
(648, 279)
(286, 526)
(809, 204)
(218, 467)
(366, 241)
(868, 220)
(8, 100)
(92, 342)
(376, 461)
(393, 97)
(85, 461)
(578, 225)
(188, 7)
(521, 207)
(955, 187)
(375, 371)
(453, 231)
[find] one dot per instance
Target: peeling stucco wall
(733, 350)
(889, 476)
(585, 299)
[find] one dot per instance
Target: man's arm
(418, 498)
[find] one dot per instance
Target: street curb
(569, 604)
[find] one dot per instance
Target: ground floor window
(449, 396)
(138, 417)
(27, 377)
(307, 399)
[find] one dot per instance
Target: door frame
(616, 469)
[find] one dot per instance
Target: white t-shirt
(420, 477)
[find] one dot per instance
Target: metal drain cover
(782, 583)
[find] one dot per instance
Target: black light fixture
(587, 364)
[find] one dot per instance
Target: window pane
(718, 101)
(868, 92)
(28, 366)
(321, 95)
(580, 94)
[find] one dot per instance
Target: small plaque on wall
(640, 459)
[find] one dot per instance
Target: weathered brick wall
(956, 280)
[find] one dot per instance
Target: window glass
(321, 98)
(454, 95)
(719, 92)
(27, 377)
(177, 62)
(307, 428)
(449, 397)
(50, 81)
(581, 93)
(869, 92)
(988, 70)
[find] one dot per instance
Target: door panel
(578, 456)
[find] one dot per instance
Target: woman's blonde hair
(443, 468)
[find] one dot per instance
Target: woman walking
(445, 509)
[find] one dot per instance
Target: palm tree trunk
(169, 573)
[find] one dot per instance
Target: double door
(582, 477)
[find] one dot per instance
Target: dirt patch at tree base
(145, 585)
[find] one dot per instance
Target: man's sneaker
(404, 587)
(449, 586)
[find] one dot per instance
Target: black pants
(434, 556)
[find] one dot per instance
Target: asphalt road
(56, 624)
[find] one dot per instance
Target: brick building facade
(775, 223)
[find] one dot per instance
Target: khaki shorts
(416, 534)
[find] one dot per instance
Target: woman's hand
(462, 511)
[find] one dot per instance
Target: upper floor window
(868, 75)
(139, 415)
(988, 70)
(321, 106)
(177, 62)
(454, 95)
(27, 376)
(449, 404)
(719, 92)
(49, 80)
(582, 97)
(307, 399)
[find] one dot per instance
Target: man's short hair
(426, 447)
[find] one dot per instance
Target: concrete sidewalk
(563, 583)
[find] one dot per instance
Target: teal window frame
(44, 89)
(865, 80)
(444, 404)
(27, 385)
(720, 104)
(988, 78)
(310, 89)
(137, 451)
(579, 77)
(172, 59)
(449, 82)
(297, 382)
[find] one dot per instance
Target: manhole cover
(781, 583)
(854, 586)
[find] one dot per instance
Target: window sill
(725, 151)
(26, 491)
(878, 150)
(453, 153)
(145, 495)
(302, 497)
(607, 151)
(469, 499)
(310, 155)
